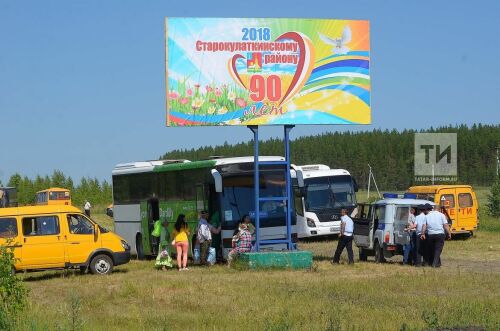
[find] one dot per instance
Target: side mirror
(300, 178)
(355, 184)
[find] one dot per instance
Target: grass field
(366, 296)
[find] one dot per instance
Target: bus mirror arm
(217, 180)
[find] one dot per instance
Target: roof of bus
(53, 189)
(433, 188)
(30, 210)
(325, 173)
(159, 166)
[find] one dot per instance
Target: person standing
(438, 230)
(181, 241)
(420, 242)
(345, 238)
(409, 246)
(204, 232)
(87, 207)
(163, 259)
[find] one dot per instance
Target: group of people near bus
(203, 252)
(426, 232)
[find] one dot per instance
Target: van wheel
(138, 247)
(379, 253)
(101, 265)
(362, 255)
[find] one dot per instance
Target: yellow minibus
(54, 237)
(459, 201)
(53, 196)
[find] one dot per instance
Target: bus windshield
(238, 198)
(330, 192)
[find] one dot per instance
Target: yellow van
(459, 201)
(48, 237)
(53, 196)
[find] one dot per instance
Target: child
(163, 259)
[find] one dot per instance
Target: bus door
(152, 216)
(447, 200)
(200, 198)
(466, 212)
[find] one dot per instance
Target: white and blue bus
(144, 192)
(320, 194)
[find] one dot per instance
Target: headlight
(125, 245)
(310, 223)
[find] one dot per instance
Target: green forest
(390, 153)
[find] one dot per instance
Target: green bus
(144, 192)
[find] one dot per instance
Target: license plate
(332, 229)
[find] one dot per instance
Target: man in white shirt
(345, 238)
(204, 232)
(87, 207)
(436, 226)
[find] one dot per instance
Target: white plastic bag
(211, 258)
(196, 256)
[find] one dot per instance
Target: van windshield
(330, 192)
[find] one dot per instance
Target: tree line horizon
(389, 152)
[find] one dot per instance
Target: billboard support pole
(288, 191)
(288, 183)
(255, 130)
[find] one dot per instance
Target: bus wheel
(362, 255)
(101, 265)
(138, 247)
(379, 253)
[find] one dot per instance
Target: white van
(379, 227)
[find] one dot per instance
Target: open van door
(402, 215)
(363, 226)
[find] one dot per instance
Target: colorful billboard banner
(267, 71)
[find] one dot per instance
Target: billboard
(267, 71)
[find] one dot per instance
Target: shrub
(493, 204)
(13, 293)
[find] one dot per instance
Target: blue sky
(82, 83)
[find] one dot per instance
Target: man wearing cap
(204, 235)
(345, 238)
(436, 226)
(420, 249)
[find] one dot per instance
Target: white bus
(320, 194)
(144, 192)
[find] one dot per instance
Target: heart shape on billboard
(302, 72)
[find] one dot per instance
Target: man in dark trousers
(420, 248)
(437, 230)
(345, 238)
